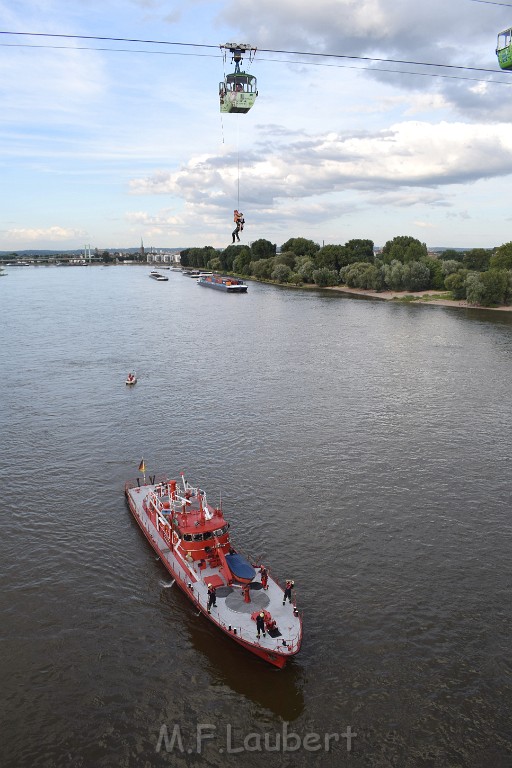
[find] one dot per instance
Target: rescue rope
(238, 161)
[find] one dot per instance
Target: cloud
(431, 33)
(162, 219)
(385, 28)
(54, 234)
(409, 155)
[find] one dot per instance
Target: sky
(108, 144)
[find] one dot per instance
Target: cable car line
(273, 61)
(261, 50)
(394, 71)
(105, 37)
(113, 50)
(491, 2)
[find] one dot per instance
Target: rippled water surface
(362, 448)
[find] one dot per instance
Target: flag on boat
(142, 466)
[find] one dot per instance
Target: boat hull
(178, 570)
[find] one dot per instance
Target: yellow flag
(142, 466)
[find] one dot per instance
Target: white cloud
(54, 234)
(424, 225)
(409, 154)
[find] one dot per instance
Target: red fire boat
(192, 540)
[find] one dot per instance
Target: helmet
(209, 585)
(262, 614)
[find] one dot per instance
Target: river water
(360, 447)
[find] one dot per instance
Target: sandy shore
(418, 297)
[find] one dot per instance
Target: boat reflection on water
(279, 690)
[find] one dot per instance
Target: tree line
(480, 276)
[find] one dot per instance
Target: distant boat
(157, 276)
(196, 273)
(227, 284)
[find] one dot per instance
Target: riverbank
(420, 297)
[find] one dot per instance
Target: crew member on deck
(288, 590)
(212, 597)
(264, 577)
(260, 625)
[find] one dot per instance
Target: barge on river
(193, 542)
(227, 284)
(157, 276)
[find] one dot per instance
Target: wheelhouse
(504, 49)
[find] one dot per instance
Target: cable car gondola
(504, 49)
(238, 90)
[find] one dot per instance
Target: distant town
(137, 255)
(88, 255)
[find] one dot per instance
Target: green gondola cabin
(238, 90)
(504, 49)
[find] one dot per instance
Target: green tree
(502, 257)
(394, 275)
(242, 261)
(281, 273)
(449, 267)
(363, 275)
(215, 264)
(403, 248)
(331, 257)
(286, 257)
(456, 283)
(262, 268)
(508, 296)
(324, 277)
(197, 257)
(477, 259)
(475, 290)
(495, 282)
(305, 269)
(416, 276)
(360, 250)
(451, 255)
(301, 246)
(262, 249)
(228, 255)
(435, 267)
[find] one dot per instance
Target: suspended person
(239, 225)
